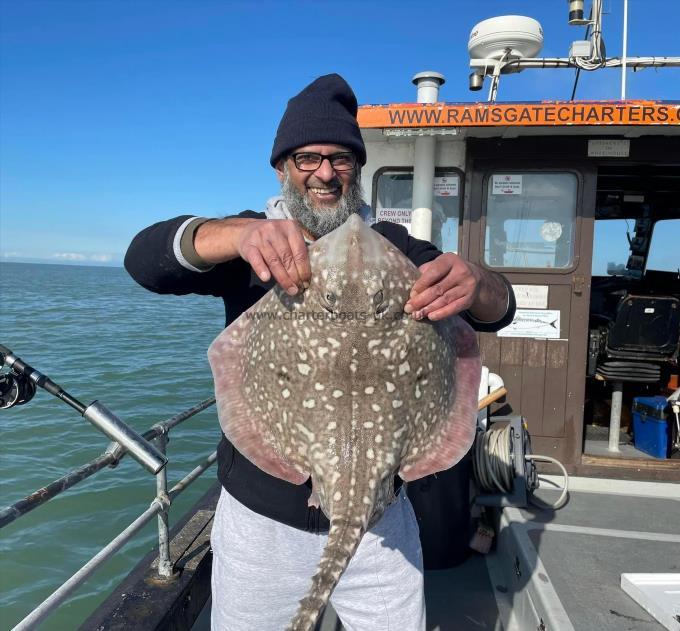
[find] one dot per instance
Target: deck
(559, 570)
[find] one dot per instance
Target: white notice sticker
(446, 186)
(395, 215)
(608, 148)
(531, 296)
(537, 323)
(509, 184)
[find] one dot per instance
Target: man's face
(324, 187)
(323, 199)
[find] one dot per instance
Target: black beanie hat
(324, 112)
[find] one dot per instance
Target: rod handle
(137, 446)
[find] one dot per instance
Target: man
(266, 540)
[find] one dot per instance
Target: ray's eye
(379, 303)
(328, 301)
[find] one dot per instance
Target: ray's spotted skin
(338, 383)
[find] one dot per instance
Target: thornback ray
(339, 384)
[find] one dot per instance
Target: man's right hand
(273, 247)
(276, 247)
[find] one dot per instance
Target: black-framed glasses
(308, 161)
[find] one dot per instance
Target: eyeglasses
(306, 161)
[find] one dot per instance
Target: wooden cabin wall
(545, 378)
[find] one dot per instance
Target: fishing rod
(18, 386)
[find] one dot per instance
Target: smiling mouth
(324, 191)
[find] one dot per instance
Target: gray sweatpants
(262, 568)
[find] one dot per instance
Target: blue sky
(116, 114)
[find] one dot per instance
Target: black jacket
(151, 261)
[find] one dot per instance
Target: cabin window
(530, 220)
(394, 197)
(611, 246)
(663, 251)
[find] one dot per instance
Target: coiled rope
(494, 470)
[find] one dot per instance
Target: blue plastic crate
(651, 430)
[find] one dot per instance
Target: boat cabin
(578, 205)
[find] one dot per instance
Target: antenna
(576, 13)
(507, 44)
(625, 48)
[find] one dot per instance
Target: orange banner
(549, 113)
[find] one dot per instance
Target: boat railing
(160, 508)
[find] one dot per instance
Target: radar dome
(490, 38)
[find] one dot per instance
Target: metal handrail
(96, 413)
(159, 506)
(111, 457)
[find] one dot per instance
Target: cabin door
(533, 222)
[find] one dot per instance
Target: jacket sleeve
(491, 327)
(152, 261)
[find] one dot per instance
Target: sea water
(100, 336)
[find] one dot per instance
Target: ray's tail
(343, 540)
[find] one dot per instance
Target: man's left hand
(447, 286)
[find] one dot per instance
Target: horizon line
(40, 261)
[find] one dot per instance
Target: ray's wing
(448, 391)
(238, 361)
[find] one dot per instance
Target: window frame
(646, 268)
(578, 218)
(439, 171)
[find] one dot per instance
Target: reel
(15, 389)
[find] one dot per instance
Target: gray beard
(320, 221)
